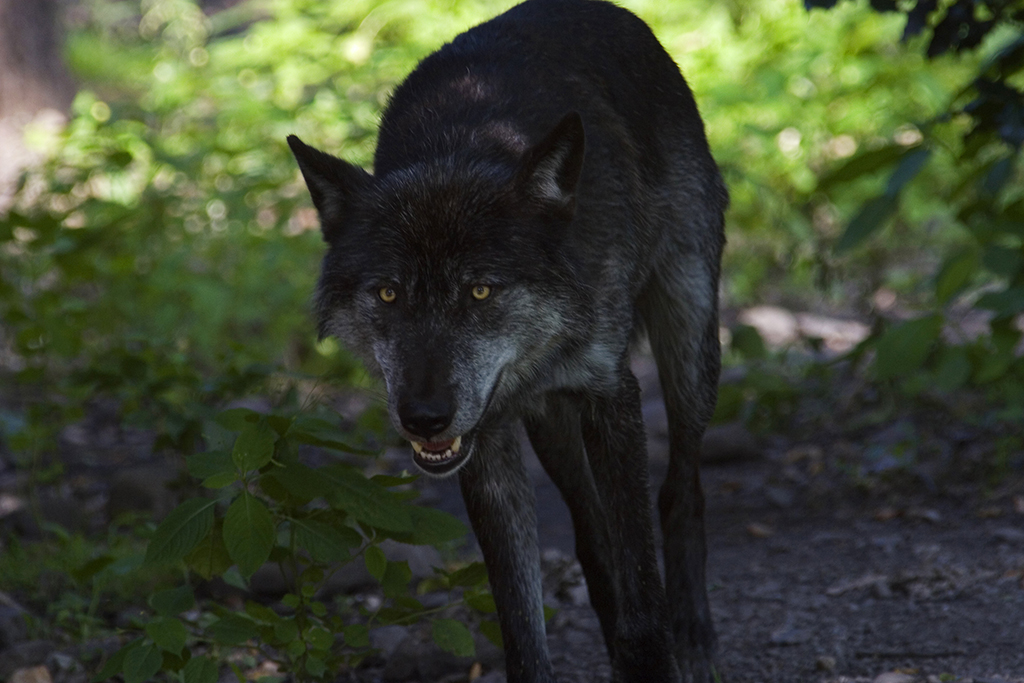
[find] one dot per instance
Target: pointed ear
(333, 184)
(551, 169)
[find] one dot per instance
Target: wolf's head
(450, 278)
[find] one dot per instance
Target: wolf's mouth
(439, 457)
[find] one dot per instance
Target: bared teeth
(437, 456)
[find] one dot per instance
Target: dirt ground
(815, 578)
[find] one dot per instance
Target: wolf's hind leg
(613, 434)
(557, 440)
(500, 502)
(680, 311)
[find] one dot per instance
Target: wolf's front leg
(617, 449)
(500, 501)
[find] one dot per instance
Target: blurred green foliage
(166, 252)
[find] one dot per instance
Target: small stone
(35, 674)
(1009, 534)
(927, 514)
(825, 663)
(884, 514)
(759, 530)
(31, 653)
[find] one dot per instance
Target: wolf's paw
(699, 666)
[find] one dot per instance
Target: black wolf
(542, 194)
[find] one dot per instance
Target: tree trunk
(32, 71)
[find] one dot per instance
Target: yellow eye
(481, 292)
(387, 294)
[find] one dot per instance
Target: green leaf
(142, 663)
(862, 164)
(873, 214)
(431, 527)
(285, 631)
(492, 632)
(315, 666)
(453, 636)
(319, 638)
(474, 574)
(300, 481)
(248, 533)
(997, 176)
(168, 633)
(181, 531)
(219, 481)
(1006, 303)
(747, 341)
(92, 568)
(115, 663)
(233, 629)
(325, 543)
(356, 635)
(317, 432)
(910, 165)
(217, 437)
(172, 601)
(954, 368)
(1003, 261)
(201, 669)
(389, 481)
(365, 501)
(210, 558)
(955, 274)
(237, 419)
(482, 602)
(395, 581)
(376, 562)
(255, 446)
(902, 349)
(209, 464)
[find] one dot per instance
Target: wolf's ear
(333, 184)
(551, 168)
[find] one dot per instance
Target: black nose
(425, 418)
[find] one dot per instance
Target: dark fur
(556, 155)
